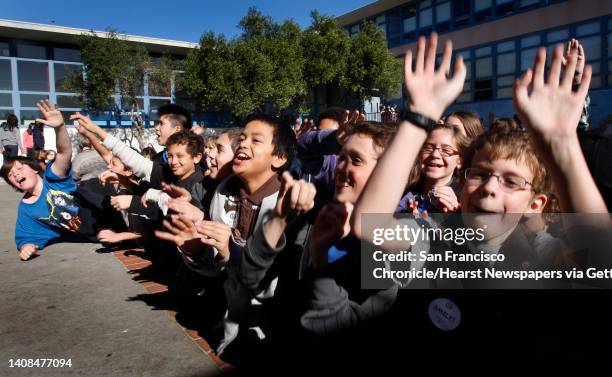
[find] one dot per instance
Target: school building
(498, 40)
(36, 58)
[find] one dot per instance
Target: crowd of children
(264, 228)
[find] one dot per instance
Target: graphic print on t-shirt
(63, 211)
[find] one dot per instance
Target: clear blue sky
(171, 19)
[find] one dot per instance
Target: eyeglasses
(507, 182)
(445, 150)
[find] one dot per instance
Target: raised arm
(430, 92)
(139, 165)
(550, 112)
(54, 119)
(95, 142)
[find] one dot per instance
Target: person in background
(148, 152)
(28, 141)
(468, 123)
(50, 156)
(39, 136)
(87, 164)
(10, 140)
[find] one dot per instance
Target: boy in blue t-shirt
(48, 211)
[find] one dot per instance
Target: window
(482, 10)
(381, 23)
(409, 23)
(127, 104)
(506, 63)
(394, 27)
(5, 75)
(63, 72)
(592, 47)
(483, 82)
(461, 12)
(484, 67)
(66, 102)
(29, 100)
(67, 54)
(426, 18)
(529, 3)
(29, 115)
(31, 52)
(592, 50)
(354, 30)
(33, 76)
(527, 58)
(586, 29)
(504, 7)
(505, 46)
(534, 40)
(6, 100)
(5, 49)
(558, 36)
(506, 69)
(443, 15)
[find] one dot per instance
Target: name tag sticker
(444, 314)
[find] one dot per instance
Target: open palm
(51, 114)
(552, 109)
(430, 90)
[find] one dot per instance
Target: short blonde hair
(508, 144)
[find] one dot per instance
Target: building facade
(36, 58)
(498, 40)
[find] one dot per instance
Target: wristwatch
(419, 120)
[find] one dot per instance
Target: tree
(113, 65)
(262, 69)
(326, 47)
(273, 67)
(372, 69)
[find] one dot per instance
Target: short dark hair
(283, 138)
(12, 121)
(177, 115)
(10, 162)
(333, 113)
(193, 142)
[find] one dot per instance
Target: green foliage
(372, 69)
(111, 63)
(273, 66)
(327, 47)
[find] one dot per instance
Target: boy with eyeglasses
(508, 178)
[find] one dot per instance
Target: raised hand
(552, 109)
(51, 114)
(431, 91)
(87, 125)
(573, 45)
(349, 119)
(294, 198)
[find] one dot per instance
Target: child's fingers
(168, 237)
(555, 66)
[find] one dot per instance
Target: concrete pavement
(75, 303)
